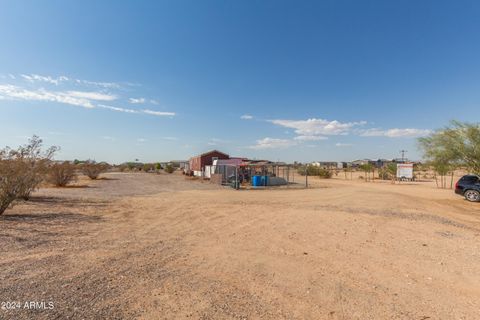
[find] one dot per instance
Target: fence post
(306, 177)
(288, 175)
(236, 179)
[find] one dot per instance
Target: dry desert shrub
(93, 170)
(169, 168)
(22, 170)
(61, 174)
(11, 181)
(315, 171)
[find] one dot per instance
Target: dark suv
(469, 186)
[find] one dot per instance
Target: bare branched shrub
(315, 171)
(93, 170)
(11, 182)
(37, 163)
(22, 170)
(61, 174)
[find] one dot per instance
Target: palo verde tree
(455, 145)
(368, 168)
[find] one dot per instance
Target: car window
(470, 179)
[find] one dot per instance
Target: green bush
(169, 168)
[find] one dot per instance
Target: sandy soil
(161, 247)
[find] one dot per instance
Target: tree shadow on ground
(50, 200)
(39, 218)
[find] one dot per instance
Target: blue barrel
(257, 181)
(264, 181)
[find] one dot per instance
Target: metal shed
(198, 163)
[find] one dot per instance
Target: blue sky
(282, 80)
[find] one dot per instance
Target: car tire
(472, 195)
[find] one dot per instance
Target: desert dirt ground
(147, 246)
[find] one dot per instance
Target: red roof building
(199, 162)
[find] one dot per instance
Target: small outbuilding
(198, 163)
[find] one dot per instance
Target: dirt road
(167, 248)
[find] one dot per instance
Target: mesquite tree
(453, 146)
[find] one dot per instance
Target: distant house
(198, 163)
(179, 163)
(361, 162)
(325, 164)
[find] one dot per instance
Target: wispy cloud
(246, 117)
(52, 80)
(340, 144)
(106, 85)
(108, 138)
(141, 140)
(137, 100)
(395, 133)
(57, 80)
(126, 110)
(49, 89)
(272, 143)
(170, 138)
(99, 96)
(118, 109)
(17, 93)
(310, 138)
(159, 113)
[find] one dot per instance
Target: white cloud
(272, 143)
(92, 95)
(211, 143)
(61, 79)
(87, 98)
(310, 138)
(117, 109)
(108, 138)
(107, 85)
(141, 140)
(159, 113)
(315, 127)
(48, 79)
(137, 100)
(170, 138)
(150, 112)
(373, 132)
(152, 101)
(395, 133)
(18, 93)
(340, 144)
(246, 117)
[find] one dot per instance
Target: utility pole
(403, 154)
